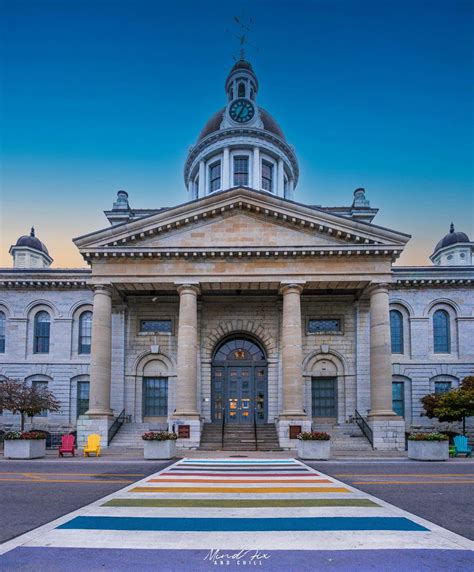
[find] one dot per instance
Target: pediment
(240, 218)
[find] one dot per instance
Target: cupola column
(256, 183)
(226, 184)
(202, 178)
(281, 178)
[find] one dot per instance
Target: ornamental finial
(451, 228)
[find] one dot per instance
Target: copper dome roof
(214, 124)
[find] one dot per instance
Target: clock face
(241, 110)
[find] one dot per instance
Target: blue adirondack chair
(461, 446)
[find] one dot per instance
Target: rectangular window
(40, 385)
(82, 397)
(441, 387)
(155, 396)
(323, 397)
(156, 326)
(325, 326)
(215, 177)
(241, 171)
(398, 398)
(267, 176)
(196, 188)
(42, 335)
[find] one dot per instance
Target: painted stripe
(242, 524)
(269, 476)
(452, 482)
(249, 461)
(252, 469)
(239, 503)
(217, 480)
(238, 490)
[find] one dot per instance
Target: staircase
(129, 435)
(239, 438)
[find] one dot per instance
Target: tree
(26, 399)
(454, 405)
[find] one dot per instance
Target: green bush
(314, 436)
(428, 437)
(159, 436)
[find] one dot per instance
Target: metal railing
(223, 426)
(364, 427)
(115, 426)
(255, 428)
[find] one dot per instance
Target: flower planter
(24, 448)
(159, 449)
(314, 450)
(428, 450)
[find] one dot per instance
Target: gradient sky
(101, 95)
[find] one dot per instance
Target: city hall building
(239, 308)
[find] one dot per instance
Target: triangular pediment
(240, 218)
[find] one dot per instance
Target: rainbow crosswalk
(279, 507)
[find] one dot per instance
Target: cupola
(241, 145)
(454, 249)
(30, 252)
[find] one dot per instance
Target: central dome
(214, 124)
(241, 145)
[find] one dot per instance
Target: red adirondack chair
(67, 445)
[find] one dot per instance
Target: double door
(239, 394)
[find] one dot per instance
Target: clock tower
(241, 145)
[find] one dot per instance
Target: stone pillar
(380, 353)
(292, 358)
(202, 179)
(226, 184)
(187, 365)
(388, 429)
(281, 178)
(101, 353)
(256, 182)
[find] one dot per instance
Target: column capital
(188, 288)
(377, 287)
(285, 288)
(102, 289)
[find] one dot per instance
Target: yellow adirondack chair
(93, 445)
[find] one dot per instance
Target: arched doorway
(239, 382)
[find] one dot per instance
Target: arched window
(441, 332)
(241, 90)
(85, 332)
(396, 331)
(42, 333)
(3, 320)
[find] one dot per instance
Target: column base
(382, 414)
(388, 433)
(283, 429)
(194, 423)
(87, 425)
(100, 413)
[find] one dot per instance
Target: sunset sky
(102, 95)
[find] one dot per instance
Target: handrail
(223, 425)
(364, 427)
(115, 426)
(255, 427)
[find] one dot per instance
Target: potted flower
(24, 444)
(428, 447)
(159, 445)
(314, 445)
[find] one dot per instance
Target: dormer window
(241, 170)
(267, 176)
(214, 176)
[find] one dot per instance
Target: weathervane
(244, 27)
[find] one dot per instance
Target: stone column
(226, 169)
(292, 352)
(380, 354)
(187, 365)
(281, 178)
(202, 179)
(256, 182)
(101, 353)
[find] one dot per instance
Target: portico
(262, 291)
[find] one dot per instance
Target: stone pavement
(277, 514)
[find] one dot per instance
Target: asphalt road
(442, 493)
(33, 493)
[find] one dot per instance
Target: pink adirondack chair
(67, 445)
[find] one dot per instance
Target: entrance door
(239, 383)
(155, 396)
(324, 397)
(398, 397)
